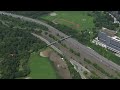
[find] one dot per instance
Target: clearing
(41, 67)
(76, 19)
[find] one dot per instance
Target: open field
(76, 19)
(41, 68)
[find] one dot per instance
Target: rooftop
(109, 32)
(116, 38)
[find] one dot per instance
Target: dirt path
(60, 65)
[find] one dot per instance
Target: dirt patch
(58, 62)
(45, 53)
(28, 78)
(53, 14)
(60, 65)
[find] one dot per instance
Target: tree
(85, 73)
(46, 33)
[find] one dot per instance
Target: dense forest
(103, 19)
(16, 45)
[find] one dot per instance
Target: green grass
(41, 68)
(77, 17)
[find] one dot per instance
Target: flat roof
(108, 32)
(116, 38)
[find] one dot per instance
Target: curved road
(81, 48)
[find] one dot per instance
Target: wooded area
(103, 19)
(16, 45)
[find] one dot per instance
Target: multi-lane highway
(59, 40)
(48, 43)
(74, 44)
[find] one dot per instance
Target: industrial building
(109, 38)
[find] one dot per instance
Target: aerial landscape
(59, 45)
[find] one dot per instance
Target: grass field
(76, 19)
(41, 68)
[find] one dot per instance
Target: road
(115, 19)
(59, 40)
(74, 44)
(79, 68)
(47, 42)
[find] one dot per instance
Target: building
(109, 39)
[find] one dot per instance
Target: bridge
(62, 39)
(51, 44)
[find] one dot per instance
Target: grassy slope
(78, 17)
(41, 68)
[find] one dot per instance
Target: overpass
(48, 43)
(51, 44)
(59, 40)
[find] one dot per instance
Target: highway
(74, 44)
(79, 68)
(59, 40)
(48, 43)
